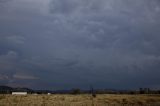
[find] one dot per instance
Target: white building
(19, 93)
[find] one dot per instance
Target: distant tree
(92, 92)
(76, 91)
(141, 91)
(132, 92)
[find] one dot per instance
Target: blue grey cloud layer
(75, 43)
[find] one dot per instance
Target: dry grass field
(80, 100)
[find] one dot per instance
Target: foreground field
(80, 100)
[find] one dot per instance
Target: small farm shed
(19, 93)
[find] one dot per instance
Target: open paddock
(79, 100)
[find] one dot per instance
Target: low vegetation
(80, 100)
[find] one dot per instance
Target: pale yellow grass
(80, 100)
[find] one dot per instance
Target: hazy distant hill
(22, 89)
(6, 89)
(3, 88)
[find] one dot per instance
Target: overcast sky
(63, 44)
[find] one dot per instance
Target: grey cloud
(3, 77)
(101, 42)
(16, 39)
(111, 24)
(24, 77)
(8, 60)
(4, 1)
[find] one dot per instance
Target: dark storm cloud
(75, 43)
